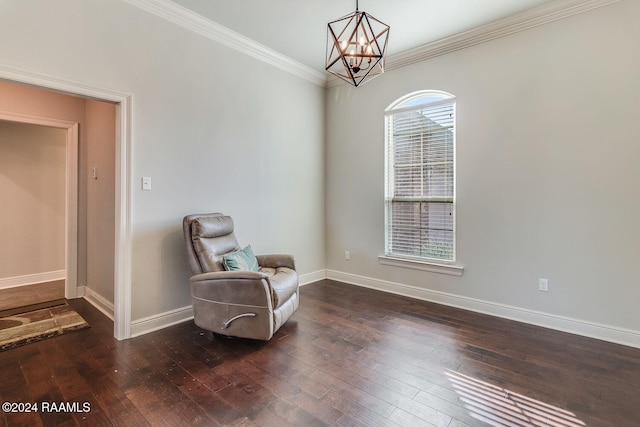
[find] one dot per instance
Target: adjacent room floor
(350, 356)
(30, 295)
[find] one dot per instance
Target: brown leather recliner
(245, 304)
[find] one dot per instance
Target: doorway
(61, 148)
(33, 219)
(122, 246)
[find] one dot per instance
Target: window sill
(433, 267)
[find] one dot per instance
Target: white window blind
(420, 178)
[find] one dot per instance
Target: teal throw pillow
(243, 260)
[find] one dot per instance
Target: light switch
(146, 183)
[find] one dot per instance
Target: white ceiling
(298, 28)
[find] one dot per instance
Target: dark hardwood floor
(349, 357)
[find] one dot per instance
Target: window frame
(435, 264)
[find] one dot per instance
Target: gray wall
(547, 143)
(215, 130)
(100, 135)
(547, 157)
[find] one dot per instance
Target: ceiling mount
(356, 47)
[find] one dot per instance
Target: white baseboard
(30, 279)
(98, 301)
(561, 323)
(160, 321)
(173, 317)
(306, 279)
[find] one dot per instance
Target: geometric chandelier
(356, 47)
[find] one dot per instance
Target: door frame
(71, 192)
(122, 255)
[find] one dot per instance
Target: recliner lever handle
(226, 324)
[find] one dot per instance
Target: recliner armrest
(227, 275)
(276, 261)
(233, 287)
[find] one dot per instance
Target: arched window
(420, 176)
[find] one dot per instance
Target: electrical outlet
(347, 255)
(543, 285)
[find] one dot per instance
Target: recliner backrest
(209, 237)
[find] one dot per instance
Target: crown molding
(205, 27)
(541, 15)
